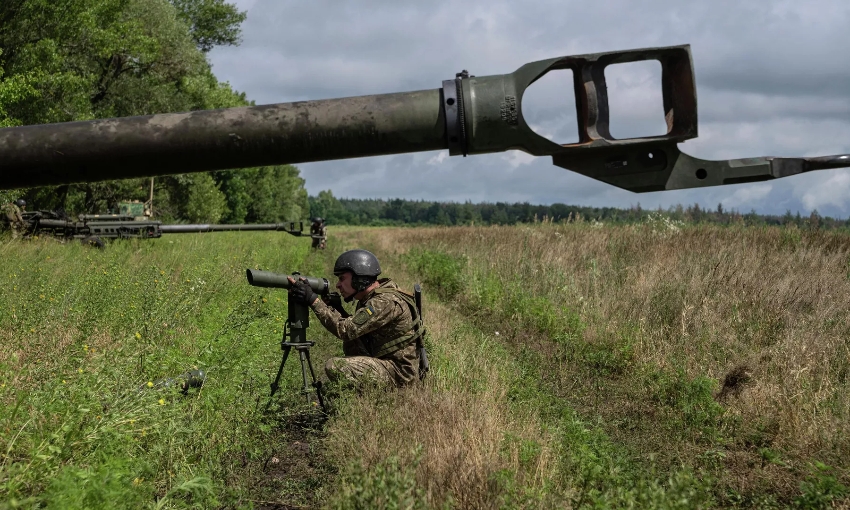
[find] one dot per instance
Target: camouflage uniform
(378, 340)
(318, 230)
(12, 215)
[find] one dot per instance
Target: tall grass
(723, 349)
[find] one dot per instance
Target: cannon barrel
(466, 115)
(183, 229)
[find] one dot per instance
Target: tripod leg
(305, 360)
(276, 382)
(316, 383)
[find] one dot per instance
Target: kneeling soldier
(379, 340)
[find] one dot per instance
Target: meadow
(574, 365)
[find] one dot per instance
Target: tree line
(379, 212)
(67, 60)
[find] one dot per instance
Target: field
(574, 365)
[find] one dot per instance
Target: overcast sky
(773, 79)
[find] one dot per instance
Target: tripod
(295, 329)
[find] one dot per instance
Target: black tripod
(295, 329)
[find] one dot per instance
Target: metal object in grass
(95, 228)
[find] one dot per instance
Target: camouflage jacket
(11, 213)
(319, 231)
(378, 320)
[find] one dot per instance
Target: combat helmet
(362, 264)
(21, 203)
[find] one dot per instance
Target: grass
(718, 349)
(573, 366)
(87, 333)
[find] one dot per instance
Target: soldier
(379, 340)
(319, 233)
(12, 213)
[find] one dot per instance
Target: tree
(211, 22)
(63, 60)
(206, 203)
(326, 206)
(277, 194)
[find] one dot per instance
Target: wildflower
(32, 330)
(86, 347)
(162, 272)
(150, 384)
(137, 481)
(41, 296)
(162, 401)
(63, 381)
(138, 336)
(80, 370)
(264, 300)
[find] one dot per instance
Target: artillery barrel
(467, 115)
(55, 223)
(221, 139)
(183, 229)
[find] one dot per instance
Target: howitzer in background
(466, 115)
(94, 228)
(295, 328)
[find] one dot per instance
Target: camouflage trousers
(361, 370)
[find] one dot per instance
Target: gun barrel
(268, 279)
(221, 139)
(181, 229)
(466, 115)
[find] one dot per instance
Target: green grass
(87, 332)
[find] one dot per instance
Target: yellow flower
(137, 481)
(63, 381)
(138, 336)
(162, 401)
(150, 384)
(264, 300)
(80, 370)
(32, 330)
(41, 296)
(162, 272)
(85, 347)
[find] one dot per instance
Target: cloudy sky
(773, 79)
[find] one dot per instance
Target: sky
(773, 79)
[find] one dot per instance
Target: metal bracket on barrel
(454, 115)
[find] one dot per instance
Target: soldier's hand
(332, 299)
(302, 293)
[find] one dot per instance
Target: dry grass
(468, 430)
(763, 312)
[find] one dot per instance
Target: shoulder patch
(363, 315)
